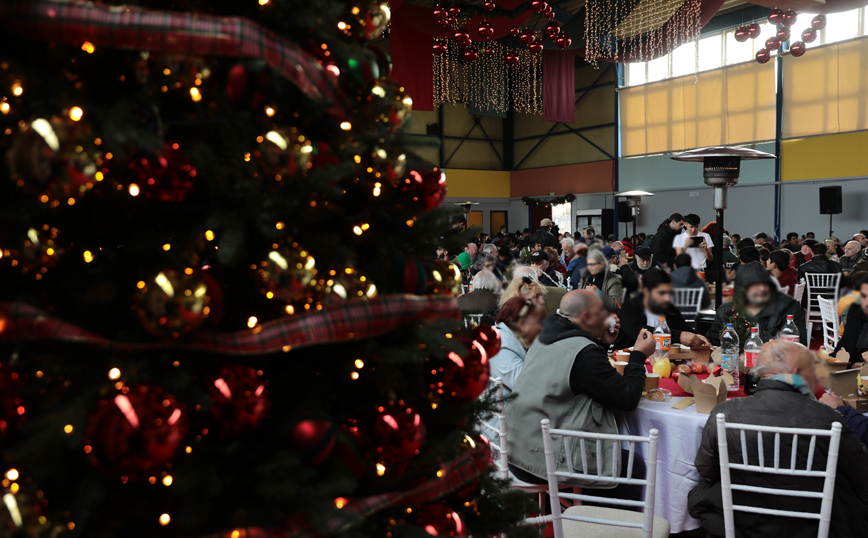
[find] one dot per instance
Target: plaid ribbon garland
(349, 321)
(128, 27)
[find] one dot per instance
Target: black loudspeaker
(830, 200)
(625, 214)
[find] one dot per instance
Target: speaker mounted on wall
(831, 202)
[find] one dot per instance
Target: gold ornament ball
(285, 153)
(36, 252)
(173, 303)
(347, 286)
(286, 273)
(366, 19)
(445, 278)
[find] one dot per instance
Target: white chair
(799, 291)
(465, 289)
(500, 451)
(688, 301)
(830, 323)
(586, 521)
(819, 285)
(825, 496)
(472, 320)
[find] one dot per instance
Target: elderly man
(784, 398)
(852, 256)
(642, 261)
(567, 379)
(862, 238)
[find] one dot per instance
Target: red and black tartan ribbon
(129, 27)
(352, 320)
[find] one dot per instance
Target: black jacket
(632, 316)
(545, 238)
(852, 329)
(592, 374)
(778, 404)
(686, 277)
(629, 280)
(771, 319)
(661, 244)
(819, 264)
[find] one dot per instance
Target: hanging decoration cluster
(557, 200)
(651, 29)
(783, 20)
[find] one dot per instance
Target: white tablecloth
(680, 434)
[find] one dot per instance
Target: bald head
(779, 357)
(574, 303)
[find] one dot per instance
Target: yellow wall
(825, 157)
(477, 183)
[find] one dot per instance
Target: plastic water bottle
(662, 340)
(790, 333)
(752, 348)
(729, 354)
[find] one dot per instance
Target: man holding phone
(692, 241)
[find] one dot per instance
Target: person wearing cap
(805, 254)
(539, 260)
(465, 261)
(642, 261)
(819, 263)
(620, 266)
(543, 235)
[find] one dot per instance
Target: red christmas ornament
(470, 55)
(396, 435)
(783, 34)
(754, 30)
(514, 30)
(489, 5)
(166, 177)
(439, 48)
(440, 13)
(798, 49)
(536, 47)
(809, 35)
(510, 58)
(462, 377)
(312, 435)
(454, 11)
(452, 21)
(763, 56)
(447, 21)
(526, 37)
(428, 187)
(741, 34)
(489, 51)
(563, 41)
(237, 81)
(789, 17)
(136, 432)
(12, 411)
(773, 43)
(539, 6)
(552, 29)
(485, 30)
(489, 338)
(818, 22)
(440, 520)
(461, 37)
(549, 13)
(776, 16)
(239, 399)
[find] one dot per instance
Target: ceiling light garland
(558, 200)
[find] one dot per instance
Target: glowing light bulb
(12, 474)
(209, 235)
(17, 88)
(4, 108)
(75, 113)
(195, 95)
(263, 2)
(340, 502)
(88, 256)
(357, 230)
(252, 321)
(167, 247)
(165, 519)
(167, 480)
(269, 111)
(354, 376)
(134, 189)
(346, 126)
(114, 373)
(68, 429)
(381, 469)
(359, 364)
(88, 47)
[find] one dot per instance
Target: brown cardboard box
(858, 401)
(707, 392)
(844, 383)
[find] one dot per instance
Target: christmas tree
(220, 313)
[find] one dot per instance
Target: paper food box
(844, 383)
(837, 363)
(707, 393)
(859, 401)
(699, 354)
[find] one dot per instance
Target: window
(683, 59)
(841, 26)
(710, 52)
(562, 216)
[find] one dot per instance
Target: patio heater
(634, 200)
(721, 166)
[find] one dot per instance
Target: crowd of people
(561, 302)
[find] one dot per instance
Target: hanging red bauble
(742, 34)
(514, 30)
(798, 49)
(563, 41)
(461, 377)
(489, 338)
(510, 58)
(552, 29)
(312, 435)
(439, 48)
(470, 55)
(450, 21)
(809, 35)
(489, 51)
(763, 56)
(440, 520)
(460, 36)
(754, 30)
(454, 11)
(166, 176)
(440, 13)
(12, 411)
(549, 13)
(776, 16)
(773, 43)
(783, 34)
(526, 37)
(427, 186)
(789, 17)
(489, 5)
(818, 22)
(396, 435)
(136, 432)
(485, 30)
(539, 5)
(536, 47)
(239, 399)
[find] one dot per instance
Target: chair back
(688, 301)
(830, 323)
(799, 291)
(465, 288)
(472, 320)
(499, 451)
(810, 436)
(585, 438)
(819, 285)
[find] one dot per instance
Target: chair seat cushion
(580, 529)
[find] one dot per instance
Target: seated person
(619, 264)
(567, 378)
(644, 310)
(484, 294)
(856, 420)
(539, 260)
(855, 338)
(779, 267)
(642, 261)
(819, 263)
(784, 398)
(684, 276)
(599, 279)
(763, 305)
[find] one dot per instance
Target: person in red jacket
(778, 265)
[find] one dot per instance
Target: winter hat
(465, 260)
